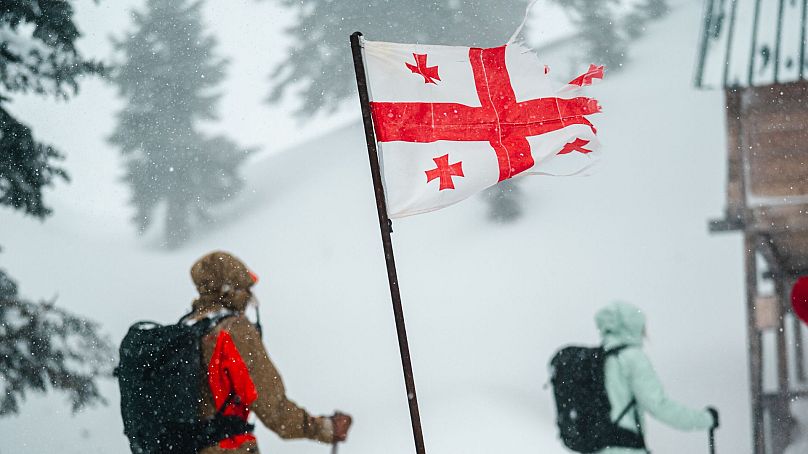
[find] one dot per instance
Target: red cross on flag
(452, 121)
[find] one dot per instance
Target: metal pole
(386, 228)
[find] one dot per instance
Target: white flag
(452, 121)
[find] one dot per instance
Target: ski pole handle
(714, 413)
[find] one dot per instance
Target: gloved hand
(714, 413)
(341, 423)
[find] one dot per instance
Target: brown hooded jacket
(238, 363)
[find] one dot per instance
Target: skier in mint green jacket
(630, 376)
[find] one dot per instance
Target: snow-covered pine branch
(32, 59)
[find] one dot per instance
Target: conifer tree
(168, 77)
(26, 167)
(42, 347)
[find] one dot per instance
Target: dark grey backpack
(583, 408)
(160, 375)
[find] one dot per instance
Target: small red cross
(576, 145)
(445, 172)
(430, 73)
(501, 120)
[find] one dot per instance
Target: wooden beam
(768, 399)
(775, 219)
(728, 224)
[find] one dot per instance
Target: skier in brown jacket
(240, 375)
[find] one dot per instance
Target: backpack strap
(220, 318)
(614, 351)
(258, 322)
(639, 427)
(210, 321)
(232, 397)
(631, 405)
(185, 317)
(220, 427)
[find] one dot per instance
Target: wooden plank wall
(767, 181)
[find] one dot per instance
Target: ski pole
(712, 441)
(334, 448)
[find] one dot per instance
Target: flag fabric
(451, 121)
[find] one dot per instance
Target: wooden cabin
(755, 51)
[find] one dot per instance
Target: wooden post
(386, 227)
(778, 407)
(755, 347)
(781, 412)
(796, 325)
(736, 184)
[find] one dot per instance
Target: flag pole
(386, 227)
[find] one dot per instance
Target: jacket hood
(620, 324)
(223, 281)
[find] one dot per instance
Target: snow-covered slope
(486, 305)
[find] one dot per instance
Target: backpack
(582, 404)
(161, 375)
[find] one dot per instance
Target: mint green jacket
(630, 375)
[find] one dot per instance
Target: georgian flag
(452, 121)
